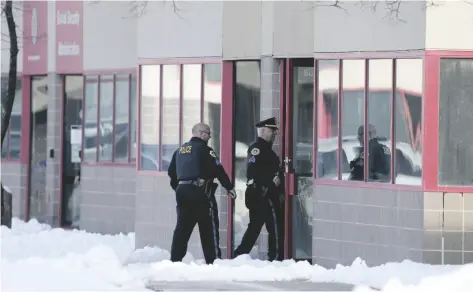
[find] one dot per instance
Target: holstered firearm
(210, 188)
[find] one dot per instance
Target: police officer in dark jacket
(192, 170)
(378, 156)
(262, 193)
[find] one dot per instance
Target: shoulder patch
(255, 151)
(386, 150)
(212, 153)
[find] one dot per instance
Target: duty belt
(196, 182)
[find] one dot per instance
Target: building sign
(69, 20)
(35, 37)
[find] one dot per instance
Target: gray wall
(156, 215)
(14, 176)
(381, 225)
(108, 195)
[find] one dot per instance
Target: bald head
(201, 131)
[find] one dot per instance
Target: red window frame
(131, 74)
(181, 63)
(7, 140)
(431, 122)
(365, 57)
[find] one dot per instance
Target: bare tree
(9, 97)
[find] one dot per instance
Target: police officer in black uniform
(262, 193)
(379, 158)
(192, 170)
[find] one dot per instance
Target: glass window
(327, 118)
(192, 80)
(408, 121)
(39, 199)
(213, 102)
(90, 113)
(150, 117)
(352, 99)
(303, 113)
(122, 109)
(247, 105)
(71, 168)
(455, 122)
(106, 118)
(380, 85)
(12, 142)
(170, 112)
(133, 114)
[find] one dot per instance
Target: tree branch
(7, 101)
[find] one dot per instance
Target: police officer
(378, 155)
(262, 192)
(192, 170)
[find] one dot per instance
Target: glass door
(298, 161)
(71, 154)
(37, 198)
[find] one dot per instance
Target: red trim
(393, 121)
(288, 80)
(25, 152)
(107, 163)
(84, 116)
(109, 71)
(177, 61)
(339, 119)
(431, 126)
(130, 106)
(315, 114)
(365, 121)
(202, 92)
(160, 112)
(97, 135)
(61, 147)
(282, 112)
(227, 140)
(370, 55)
(138, 119)
(431, 120)
(181, 103)
(114, 104)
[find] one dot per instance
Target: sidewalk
(248, 286)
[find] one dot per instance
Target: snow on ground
(36, 257)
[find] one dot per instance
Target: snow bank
(36, 257)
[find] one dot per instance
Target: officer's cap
(268, 123)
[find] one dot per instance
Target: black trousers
(216, 222)
(266, 212)
(193, 208)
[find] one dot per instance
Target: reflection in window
(150, 118)
(247, 105)
(170, 112)
(12, 143)
(122, 109)
(408, 121)
(133, 119)
(327, 119)
(213, 102)
(379, 119)
(455, 124)
(303, 113)
(90, 113)
(105, 130)
(192, 77)
(38, 200)
(352, 99)
(72, 130)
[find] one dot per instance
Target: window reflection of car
(408, 162)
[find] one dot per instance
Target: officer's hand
(232, 194)
(277, 181)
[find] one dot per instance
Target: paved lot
(247, 286)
